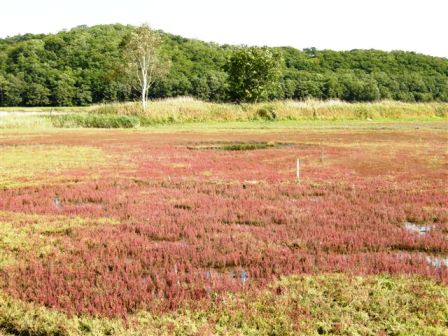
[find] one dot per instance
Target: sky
(411, 25)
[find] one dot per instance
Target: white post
(298, 170)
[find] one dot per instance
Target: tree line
(85, 65)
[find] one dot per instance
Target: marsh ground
(164, 231)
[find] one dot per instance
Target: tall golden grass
(190, 110)
(29, 121)
(186, 109)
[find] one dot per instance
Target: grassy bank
(187, 111)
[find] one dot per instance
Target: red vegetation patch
(196, 223)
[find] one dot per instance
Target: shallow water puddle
(437, 262)
(420, 229)
(434, 261)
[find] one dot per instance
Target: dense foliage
(253, 73)
(81, 66)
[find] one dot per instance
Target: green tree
(11, 89)
(360, 88)
(36, 95)
(253, 73)
(217, 83)
(63, 90)
(332, 88)
(309, 85)
(83, 95)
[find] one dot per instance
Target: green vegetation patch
(332, 304)
(237, 146)
(20, 164)
(20, 318)
(247, 146)
(37, 234)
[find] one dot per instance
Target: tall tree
(142, 51)
(253, 73)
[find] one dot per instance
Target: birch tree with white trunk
(142, 52)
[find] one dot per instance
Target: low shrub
(267, 113)
(441, 111)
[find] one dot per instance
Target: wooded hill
(83, 66)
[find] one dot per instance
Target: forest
(83, 66)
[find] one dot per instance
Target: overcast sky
(414, 25)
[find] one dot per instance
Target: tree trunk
(144, 97)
